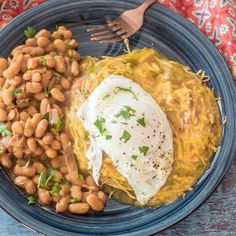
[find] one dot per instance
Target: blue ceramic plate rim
(212, 183)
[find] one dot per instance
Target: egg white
(135, 134)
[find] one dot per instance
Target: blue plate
(176, 38)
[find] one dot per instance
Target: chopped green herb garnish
(42, 179)
(16, 91)
(106, 96)
(59, 124)
(65, 181)
(30, 32)
(130, 91)
(73, 200)
(143, 150)
(27, 164)
(56, 74)
(126, 112)
(108, 137)
(68, 46)
(56, 28)
(37, 105)
(4, 130)
(124, 123)
(46, 116)
(134, 157)
(46, 92)
(31, 200)
(55, 189)
(2, 148)
(99, 123)
(71, 59)
(51, 175)
(81, 177)
(113, 121)
(43, 61)
(142, 122)
(126, 136)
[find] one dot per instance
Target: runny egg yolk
(127, 124)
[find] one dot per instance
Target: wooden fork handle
(146, 5)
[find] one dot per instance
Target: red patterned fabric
(216, 18)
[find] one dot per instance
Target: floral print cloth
(216, 18)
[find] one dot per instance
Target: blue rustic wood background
(215, 217)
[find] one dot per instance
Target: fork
(122, 27)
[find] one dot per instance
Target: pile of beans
(34, 81)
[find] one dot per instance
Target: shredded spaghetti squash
(190, 107)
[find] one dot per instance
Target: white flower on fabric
(191, 19)
(233, 57)
(7, 17)
(208, 27)
(14, 3)
(224, 29)
(231, 11)
(197, 3)
(213, 3)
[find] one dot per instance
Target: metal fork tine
(119, 37)
(97, 28)
(109, 36)
(100, 33)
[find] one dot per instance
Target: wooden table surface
(217, 216)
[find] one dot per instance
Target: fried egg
(127, 124)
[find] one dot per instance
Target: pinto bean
(79, 208)
(41, 128)
(12, 70)
(32, 144)
(43, 42)
(29, 128)
(94, 202)
(24, 116)
(63, 204)
(17, 128)
(32, 110)
(18, 152)
(76, 192)
(3, 65)
(3, 115)
(39, 167)
(90, 182)
(60, 45)
(48, 138)
(23, 171)
(65, 84)
(44, 196)
(5, 161)
(51, 153)
(65, 189)
(43, 33)
(58, 95)
(33, 87)
(43, 106)
(56, 145)
(7, 97)
(30, 187)
(60, 64)
(67, 34)
(39, 96)
(75, 68)
(33, 63)
(50, 62)
(102, 196)
(58, 162)
(64, 138)
(11, 114)
(32, 42)
(36, 77)
(36, 119)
